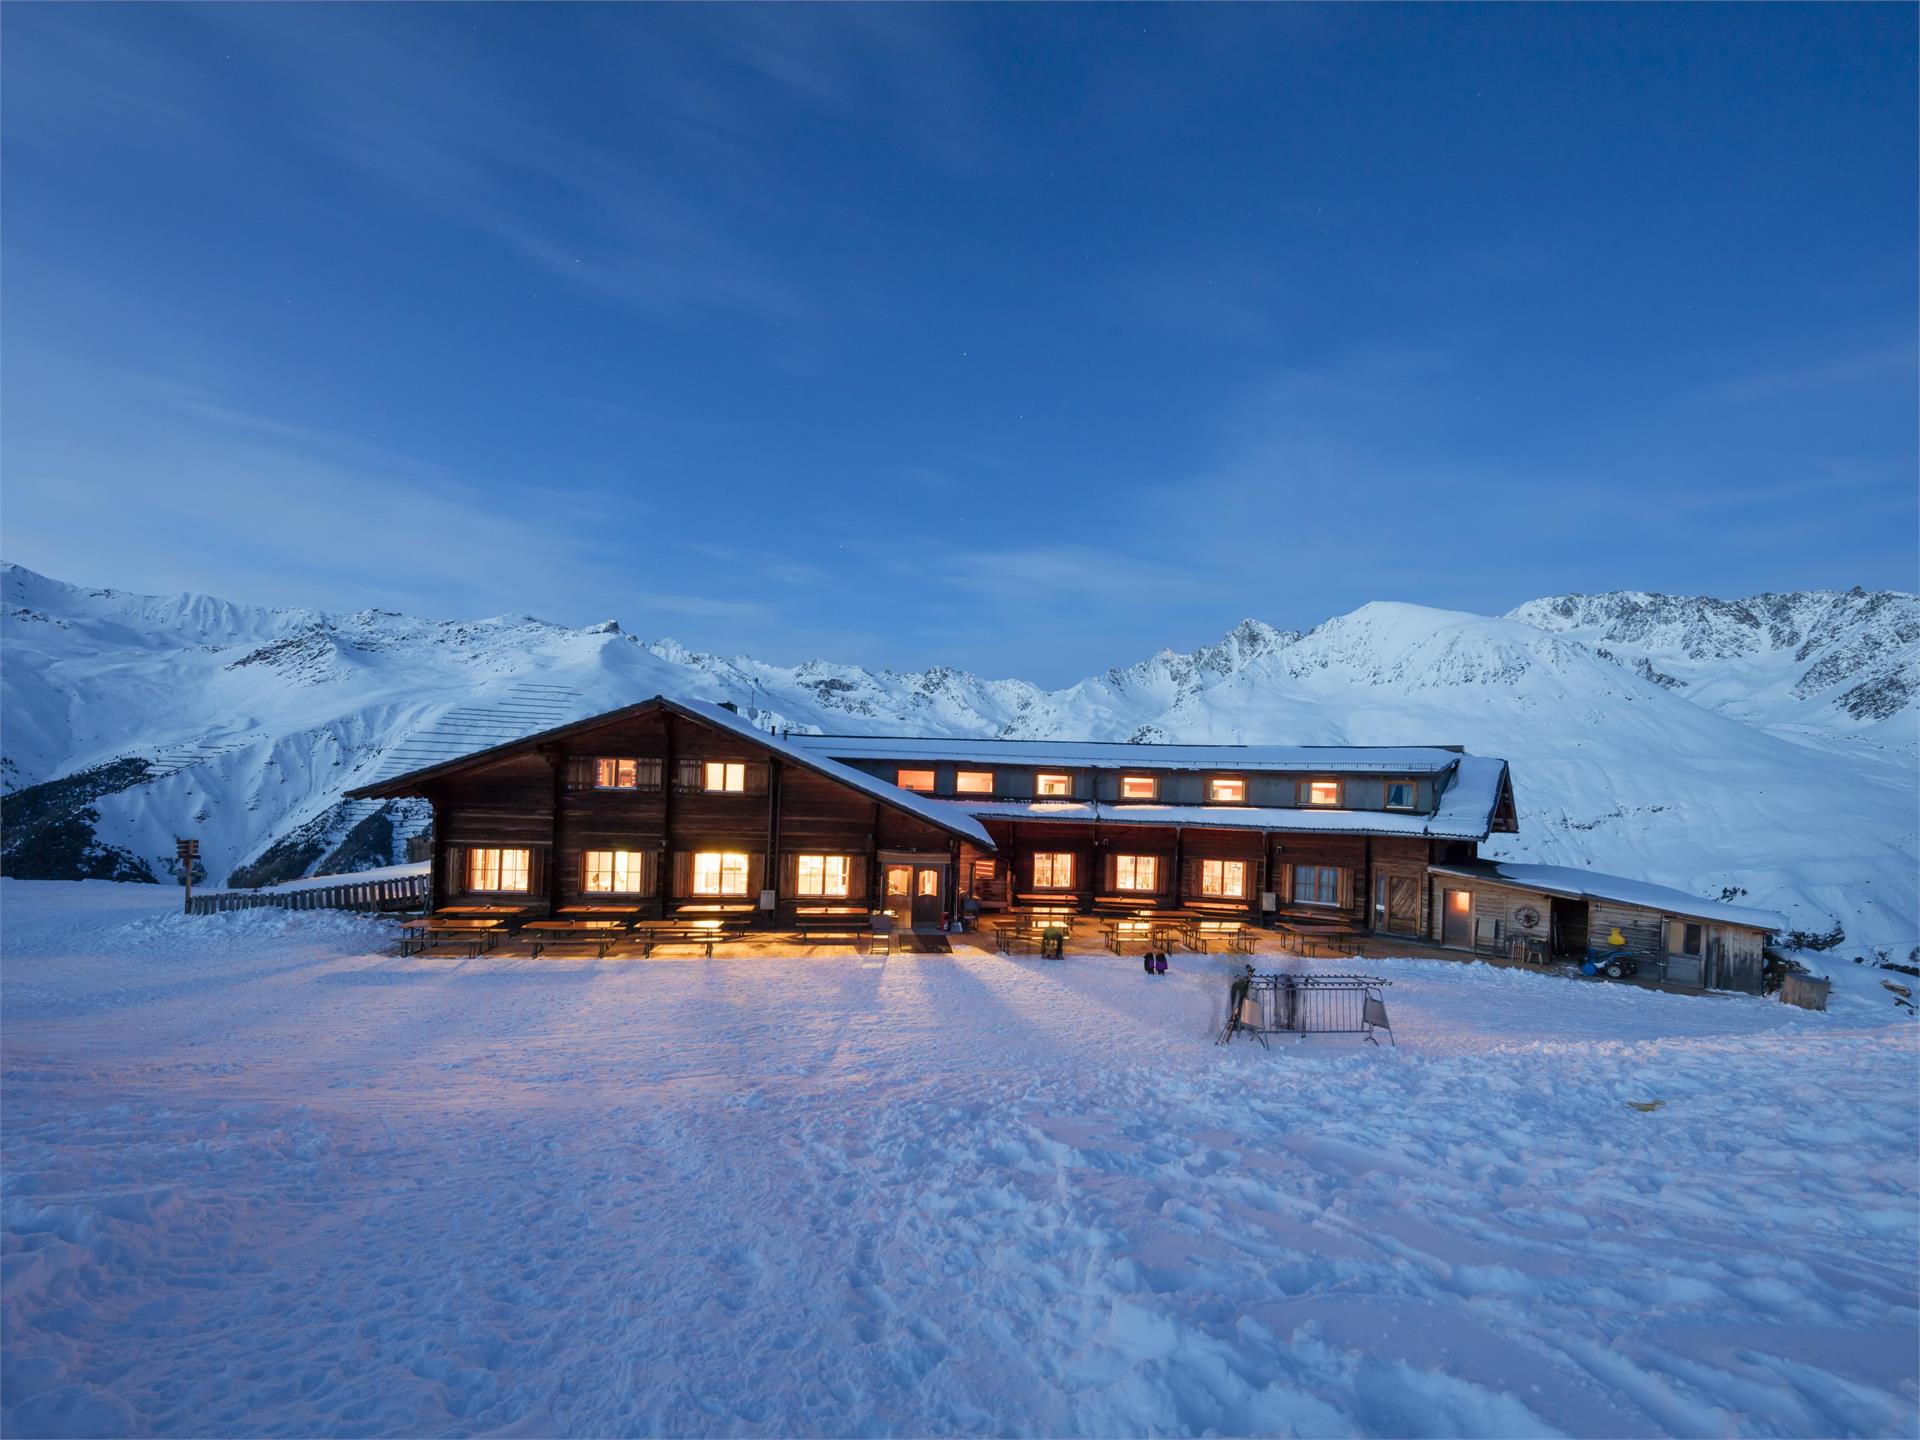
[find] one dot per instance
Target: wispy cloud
(1870, 365)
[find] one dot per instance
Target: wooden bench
(1237, 937)
(472, 934)
(574, 935)
(704, 933)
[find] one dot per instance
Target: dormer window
(973, 782)
(1402, 794)
(1319, 792)
(1226, 790)
(1139, 787)
(921, 780)
(724, 777)
(1051, 786)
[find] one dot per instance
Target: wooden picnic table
(476, 933)
(1154, 933)
(597, 933)
(614, 912)
(1236, 935)
(482, 910)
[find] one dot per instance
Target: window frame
(638, 866)
(901, 773)
(720, 874)
(1133, 864)
(1055, 860)
(1320, 872)
(1303, 793)
(727, 769)
(473, 867)
(961, 787)
(826, 862)
(1413, 794)
(601, 764)
(1220, 867)
(1214, 782)
(1152, 782)
(1041, 779)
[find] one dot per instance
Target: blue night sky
(1023, 339)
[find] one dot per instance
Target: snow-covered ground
(263, 1178)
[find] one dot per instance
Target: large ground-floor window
(490, 868)
(1223, 879)
(1316, 885)
(822, 877)
(720, 872)
(1136, 872)
(615, 872)
(1053, 870)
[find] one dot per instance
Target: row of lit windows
(727, 873)
(720, 777)
(1221, 789)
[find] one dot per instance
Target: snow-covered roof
(1350, 759)
(1589, 885)
(1465, 811)
(937, 812)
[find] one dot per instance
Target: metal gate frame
(1304, 1005)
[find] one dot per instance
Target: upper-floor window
(1402, 794)
(1138, 787)
(719, 872)
(498, 870)
(914, 779)
(725, 776)
(612, 774)
(973, 782)
(1224, 879)
(1319, 792)
(1053, 870)
(1136, 872)
(614, 872)
(1226, 790)
(821, 876)
(1050, 785)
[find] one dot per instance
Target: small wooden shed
(1485, 905)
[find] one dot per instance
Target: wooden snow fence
(409, 892)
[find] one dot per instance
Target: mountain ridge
(1686, 739)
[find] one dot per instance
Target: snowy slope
(1765, 745)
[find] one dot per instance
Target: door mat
(923, 944)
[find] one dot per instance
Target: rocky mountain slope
(1762, 746)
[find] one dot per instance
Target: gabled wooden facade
(670, 808)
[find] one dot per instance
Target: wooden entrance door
(1396, 904)
(1456, 922)
(898, 894)
(928, 900)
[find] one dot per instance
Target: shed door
(1396, 904)
(1686, 952)
(1456, 924)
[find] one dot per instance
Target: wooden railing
(409, 892)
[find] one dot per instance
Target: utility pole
(189, 852)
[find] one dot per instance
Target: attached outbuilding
(1488, 905)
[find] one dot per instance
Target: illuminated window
(1052, 786)
(915, 779)
(718, 872)
(1138, 787)
(899, 879)
(502, 870)
(1401, 794)
(929, 881)
(615, 872)
(1053, 870)
(1226, 879)
(610, 774)
(1462, 900)
(1319, 792)
(1316, 885)
(1227, 790)
(725, 775)
(821, 876)
(973, 782)
(1136, 872)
